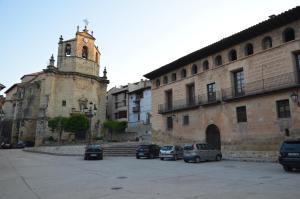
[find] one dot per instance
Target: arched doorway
(213, 136)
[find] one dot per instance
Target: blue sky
(134, 36)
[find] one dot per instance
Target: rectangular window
(116, 105)
(64, 103)
(241, 114)
(190, 94)
(239, 83)
(122, 114)
(169, 123)
(169, 99)
(173, 76)
(186, 120)
(283, 109)
(211, 92)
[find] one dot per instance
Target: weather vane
(86, 22)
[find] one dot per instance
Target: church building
(70, 87)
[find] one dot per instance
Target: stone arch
(213, 136)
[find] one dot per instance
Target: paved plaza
(29, 176)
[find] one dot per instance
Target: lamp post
(295, 98)
(90, 112)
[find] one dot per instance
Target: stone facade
(58, 91)
(242, 103)
(117, 103)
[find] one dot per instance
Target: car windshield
(167, 148)
(143, 147)
(188, 147)
(93, 146)
(291, 146)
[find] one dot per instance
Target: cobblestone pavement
(30, 176)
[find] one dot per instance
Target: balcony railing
(210, 98)
(261, 86)
(136, 109)
(178, 105)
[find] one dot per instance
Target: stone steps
(119, 151)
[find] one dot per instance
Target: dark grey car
(200, 152)
(171, 151)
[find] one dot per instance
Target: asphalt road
(31, 176)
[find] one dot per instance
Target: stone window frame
(288, 34)
(64, 103)
(232, 55)
(248, 49)
(185, 120)
(85, 52)
(183, 73)
(173, 77)
(205, 65)
(165, 79)
(283, 109)
(194, 69)
(218, 60)
(267, 42)
(68, 50)
(169, 123)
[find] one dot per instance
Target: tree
(58, 124)
(115, 126)
(77, 123)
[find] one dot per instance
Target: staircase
(119, 151)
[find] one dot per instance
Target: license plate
(93, 155)
(293, 154)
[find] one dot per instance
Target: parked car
(29, 143)
(171, 151)
(93, 151)
(200, 152)
(147, 150)
(289, 156)
(20, 145)
(5, 145)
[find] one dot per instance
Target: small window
(68, 50)
(241, 114)
(205, 65)
(288, 34)
(218, 60)
(183, 73)
(169, 123)
(267, 43)
(157, 83)
(165, 80)
(248, 49)
(122, 114)
(96, 58)
(64, 103)
(173, 76)
(186, 120)
(85, 52)
(194, 69)
(232, 55)
(283, 109)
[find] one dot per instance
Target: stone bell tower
(79, 54)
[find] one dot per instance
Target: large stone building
(239, 94)
(71, 87)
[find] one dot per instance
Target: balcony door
(298, 66)
(239, 83)
(190, 94)
(169, 100)
(211, 92)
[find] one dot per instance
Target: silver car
(171, 151)
(200, 152)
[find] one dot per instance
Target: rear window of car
(143, 146)
(291, 146)
(188, 147)
(167, 148)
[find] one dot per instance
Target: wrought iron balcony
(209, 98)
(178, 105)
(261, 86)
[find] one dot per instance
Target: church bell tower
(79, 54)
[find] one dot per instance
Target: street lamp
(90, 112)
(295, 98)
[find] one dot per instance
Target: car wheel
(137, 157)
(151, 156)
(218, 157)
(287, 168)
(161, 158)
(197, 159)
(186, 161)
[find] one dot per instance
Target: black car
(93, 151)
(290, 155)
(20, 145)
(6, 145)
(147, 150)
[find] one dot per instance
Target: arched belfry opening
(213, 136)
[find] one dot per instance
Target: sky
(134, 36)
